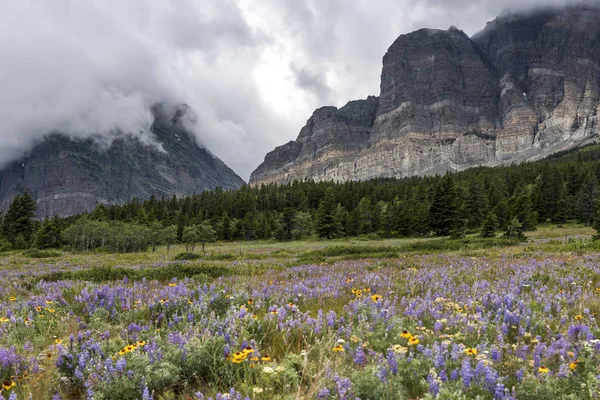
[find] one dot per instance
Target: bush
(187, 256)
(5, 245)
(35, 253)
(163, 274)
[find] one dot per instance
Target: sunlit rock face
(524, 87)
(68, 176)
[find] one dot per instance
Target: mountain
(524, 87)
(67, 176)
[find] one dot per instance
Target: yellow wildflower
(8, 384)
(338, 349)
(470, 351)
(413, 341)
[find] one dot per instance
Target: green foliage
(559, 189)
(187, 256)
(206, 234)
(596, 224)
(18, 226)
(163, 274)
(190, 237)
(515, 229)
(328, 225)
(5, 245)
(35, 253)
(117, 236)
(48, 235)
(444, 216)
(490, 225)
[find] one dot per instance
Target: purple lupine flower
(466, 372)
(359, 356)
(454, 375)
(323, 394)
(519, 375)
(496, 354)
(434, 385)
(382, 374)
(499, 392)
(392, 362)
(343, 386)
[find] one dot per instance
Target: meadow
(341, 319)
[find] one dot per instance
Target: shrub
(35, 253)
(187, 256)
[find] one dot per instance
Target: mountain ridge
(68, 176)
(525, 86)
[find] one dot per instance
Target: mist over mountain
(67, 175)
(524, 87)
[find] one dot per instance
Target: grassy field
(392, 319)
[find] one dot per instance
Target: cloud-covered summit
(252, 70)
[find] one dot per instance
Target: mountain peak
(72, 175)
(524, 87)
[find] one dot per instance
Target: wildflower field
(504, 323)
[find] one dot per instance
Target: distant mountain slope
(68, 176)
(526, 86)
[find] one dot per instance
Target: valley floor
(374, 319)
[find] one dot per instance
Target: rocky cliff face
(68, 176)
(524, 87)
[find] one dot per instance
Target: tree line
(510, 199)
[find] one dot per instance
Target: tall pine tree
(18, 225)
(443, 213)
(328, 226)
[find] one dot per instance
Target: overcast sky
(252, 70)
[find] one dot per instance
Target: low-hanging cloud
(252, 70)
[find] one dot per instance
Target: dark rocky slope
(524, 87)
(68, 176)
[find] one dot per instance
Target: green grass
(35, 253)
(553, 238)
(163, 274)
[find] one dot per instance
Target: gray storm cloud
(252, 70)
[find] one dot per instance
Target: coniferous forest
(486, 201)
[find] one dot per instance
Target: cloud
(252, 70)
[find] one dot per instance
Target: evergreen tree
(588, 198)
(596, 224)
(303, 226)
(328, 226)
(419, 219)
(401, 218)
(514, 229)
(364, 216)
(286, 224)
(522, 209)
(99, 213)
(343, 218)
(502, 212)
(476, 205)
(18, 225)
(48, 235)
(562, 205)
(490, 225)
(225, 225)
(443, 213)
